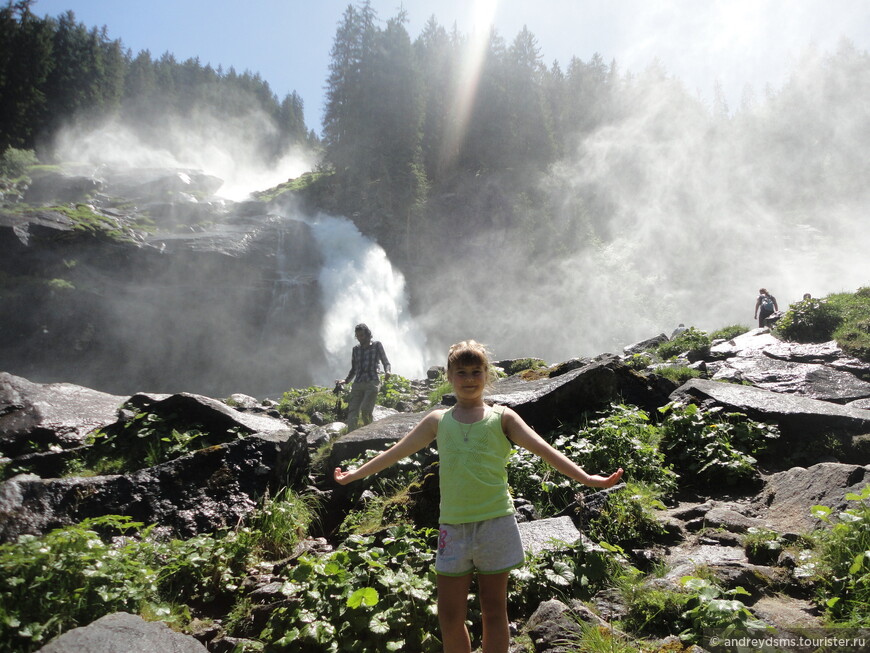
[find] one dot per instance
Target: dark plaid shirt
(364, 362)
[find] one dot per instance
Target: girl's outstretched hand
(607, 481)
(342, 478)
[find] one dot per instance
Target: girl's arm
(417, 438)
(522, 434)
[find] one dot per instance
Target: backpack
(767, 303)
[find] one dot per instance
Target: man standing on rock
(364, 374)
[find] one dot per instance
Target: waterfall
(288, 291)
(358, 284)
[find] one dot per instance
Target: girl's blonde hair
(470, 352)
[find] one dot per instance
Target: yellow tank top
(472, 474)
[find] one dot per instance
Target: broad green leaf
(367, 596)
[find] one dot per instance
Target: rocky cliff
(131, 280)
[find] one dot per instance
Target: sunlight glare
(482, 14)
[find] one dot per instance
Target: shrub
(623, 438)
(638, 361)
(627, 517)
(76, 574)
(692, 340)
(395, 390)
(443, 388)
(809, 320)
(711, 448)
(572, 571)
(844, 569)
(762, 545)
(371, 595)
(712, 608)
(14, 162)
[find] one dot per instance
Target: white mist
(358, 284)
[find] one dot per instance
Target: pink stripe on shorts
(491, 546)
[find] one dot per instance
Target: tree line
(440, 137)
(409, 123)
(55, 69)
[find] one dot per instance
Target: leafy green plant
(638, 361)
(713, 608)
(762, 545)
(844, 317)
(394, 391)
(370, 595)
(843, 554)
(624, 437)
(628, 516)
(566, 572)
(710, 448)
(523, 365)
(809, 320)
(854, 338)
(392, 495)
(147, 439)
(76, 574)
(693, 341)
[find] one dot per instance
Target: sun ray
(473, 58)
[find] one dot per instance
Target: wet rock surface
(53, 414)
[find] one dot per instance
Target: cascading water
(288, 289)
(358, 284)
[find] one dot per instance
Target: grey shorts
(491, 546)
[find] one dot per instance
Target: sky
(701, 42)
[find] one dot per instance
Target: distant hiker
(680, 329)
(765, 306)
(364, 374)
(478, 529)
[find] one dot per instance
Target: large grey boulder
(788, 496)
(212, 415)
(824, 353)
(643, 345)
(16, 230)
(47, 414)
(799, 419)
(123, 633)
(753, 341)
(545, 403)
(813, 380)
(548, 534)
(201, 492)
(376, 436)
(60, 188)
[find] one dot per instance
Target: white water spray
(358, 284)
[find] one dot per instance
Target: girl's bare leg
(452, 610)
(493, 605)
